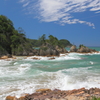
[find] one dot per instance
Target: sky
(75, 20)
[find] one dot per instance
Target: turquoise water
(67, 72)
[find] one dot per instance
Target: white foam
(67, 79)
(93, 53)
(4, 62)
(91, 63)
(71, 56)
(52, 80)
(11, 71)
(23, 68)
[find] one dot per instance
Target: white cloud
(61, 10)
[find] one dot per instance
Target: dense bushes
(12, 41)
(51, 40)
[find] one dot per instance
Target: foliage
(42, 39)
(44, 48)
(94, 98)
(81, 45)
(65, 43)
(51, 40)
(12, 40)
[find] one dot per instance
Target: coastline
(48, 94)
(52, 91)
(13, 57)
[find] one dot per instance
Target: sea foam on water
(67, 72)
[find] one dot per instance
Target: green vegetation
(51, 40)
(81, 45)
(11, 40)
(14, 41)
(94, 98)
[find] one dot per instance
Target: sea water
(67, 72)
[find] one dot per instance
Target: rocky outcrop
(11, 98)
(82, 49)
(48, 94)
(61, 50)
(86, 50)
(50, 50)
(6, 56)
(45, 50)
(73, 49)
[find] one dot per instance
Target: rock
(47, 99)
(9, 55)
(62, 50)
(23, 97)
(4, 57)
(24, 53)
(49, 52)
(31, 54)
(14, 58)
(11, 98)
(36, 58)
(43, 90)
(48, 94)
(73, 49)
(51, 58)
(83, 50)
(42, 52)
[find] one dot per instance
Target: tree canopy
(10, 38)
(14, 41)
(51, 40)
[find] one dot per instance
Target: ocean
(67, 72)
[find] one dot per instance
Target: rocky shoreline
(51, 52)
(48, 94)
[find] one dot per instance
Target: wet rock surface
(48, 94)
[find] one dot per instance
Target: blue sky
(75, 20)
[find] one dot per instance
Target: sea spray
(67, 72)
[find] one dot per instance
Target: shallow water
(67, 72)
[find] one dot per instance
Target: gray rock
(73, 49)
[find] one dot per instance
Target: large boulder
(84, 49)
(25, 53)
(48, 52)
(61, 50)
(42, 52)
(73, 49)
(11, 98)
(31, 54)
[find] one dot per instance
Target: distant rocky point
(82, 49)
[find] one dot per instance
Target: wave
(66, 79)
(15, 70)
(62, 57)
(67, 72)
